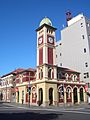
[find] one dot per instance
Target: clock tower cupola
(46, 50)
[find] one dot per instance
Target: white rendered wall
(73, 45)
(58, 52)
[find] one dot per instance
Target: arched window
(75, 78)
(71, 77)
(40, 96)
(66, 75)
(61, 91)
(40, 74)
(49, 73)
(81, 95)
(50, 96)
(61, 75)
(52, 73)
(75, 95)
(68, 91)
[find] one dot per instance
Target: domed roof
(46, 21)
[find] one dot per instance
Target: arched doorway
(68, 95)
(81, 95)
(40, 96)
(50, 96)
(18, 96)
(75, 97)
(1, 96)
(60, 94)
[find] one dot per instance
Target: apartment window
(84, 50)
(89, 36)
(60, 54)
(83, 36)
(88, 25)
(81, 24)
(86, 64)
(86, 75)
(60, 64)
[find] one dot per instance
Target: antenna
(68, 16)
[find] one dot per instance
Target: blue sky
(18, 21)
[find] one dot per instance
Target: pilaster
(78, 95)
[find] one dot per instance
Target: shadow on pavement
(1, 102)
(28, 116)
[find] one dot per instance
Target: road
(8, 112)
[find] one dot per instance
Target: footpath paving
(65, 107)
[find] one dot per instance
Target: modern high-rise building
(73, 51)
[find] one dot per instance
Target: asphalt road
(8, 112)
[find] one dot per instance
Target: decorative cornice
(46, 26)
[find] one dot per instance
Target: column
(72, 97)
(16, 97)
(85, 96)
(78, 95)
(55, 73)
(55, 96)
(45, 95)
(37, 95)
(25, 94)
(65, 96)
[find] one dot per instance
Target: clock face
(50, 39)
(40, 40)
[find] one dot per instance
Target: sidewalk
(83, 105)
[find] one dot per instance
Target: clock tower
(46, 64)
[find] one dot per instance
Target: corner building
(55, 85)
(49, 83)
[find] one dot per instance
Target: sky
(18, 21)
